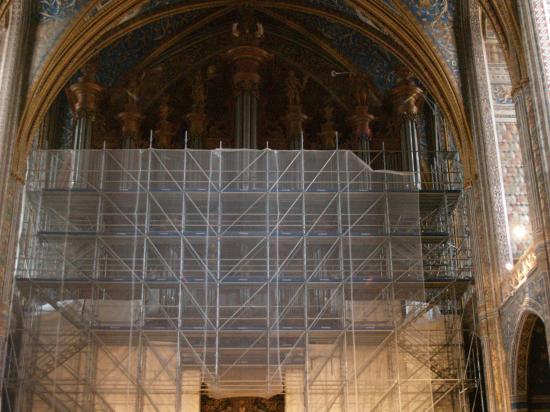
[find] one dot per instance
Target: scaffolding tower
(147, 276)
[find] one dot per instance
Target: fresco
(130, 49)
(54, 16)
(360, 50)
(437, 17)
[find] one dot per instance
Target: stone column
(532, 162)
(14, 70)
(486, 209)
(190, 390)
(487, 286)
(535, 98)
(532, 102)
(294, 390)
(406, 98)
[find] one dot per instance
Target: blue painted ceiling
(436, 17)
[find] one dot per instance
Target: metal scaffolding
(147, 276)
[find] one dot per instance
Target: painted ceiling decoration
(435, 16)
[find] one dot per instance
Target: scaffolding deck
(239, 273)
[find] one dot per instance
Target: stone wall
(509, 148)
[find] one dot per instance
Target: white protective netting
(158, 274)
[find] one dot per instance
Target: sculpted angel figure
(132, 91)
(361, 89)
(329, 113)
(295, 88)
(198, 90)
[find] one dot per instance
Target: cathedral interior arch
(257, 205)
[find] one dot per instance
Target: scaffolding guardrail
(245, 272)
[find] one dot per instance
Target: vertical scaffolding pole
(344, 350)
(178, 405)
(305, 276)
(352, 280)
(218, 257)
(268, 268)
(332, 228)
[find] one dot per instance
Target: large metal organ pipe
(84, 96)
(247, 60)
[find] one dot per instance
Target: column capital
(85, 95)
(406, 96)
(130, 123)
(247, 60)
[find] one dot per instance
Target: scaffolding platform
(239, 273)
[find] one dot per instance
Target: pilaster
(13, 73)
(487, 211)
(532, 98)
(539, 202)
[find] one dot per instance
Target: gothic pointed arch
(530, 364)
(96, 28)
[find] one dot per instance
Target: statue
(89, 71)
(198, 91)
(132, 91)
(360, 88)
(242, 407)
(295, 88)
(166, 129)
(248, 29)
(328, 132)
(329, 113)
